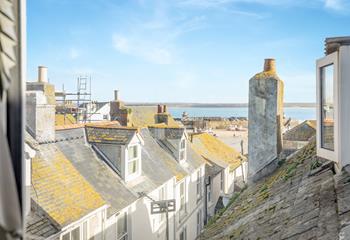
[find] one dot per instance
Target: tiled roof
(302, 132)
(59, 188)
(39, 225)
(143, 116)
(110, 135)
(300, 200)
(216, 151)
(64, 119)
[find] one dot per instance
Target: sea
(296, 113)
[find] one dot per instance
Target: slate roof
(39, 225)
(59, 189)
(143, 116)
(295, 202)
(302, 132)
(116, 135)
(216, 151)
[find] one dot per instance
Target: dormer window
(119, 147)
(133, 159)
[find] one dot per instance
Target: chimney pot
(42, 74)
(270, 65)
(160, 109)
(164, 109)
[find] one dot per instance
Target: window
(133, 159)
(199, 222)
(122, 226)
(72, 235)
(182, 149)
(209, 192)
(85, 230)
(222, 181)
(183, 234)
(75, 234)
(105, 116)
(199, 184)
(327, 107)
(182, 199)
(94, 226)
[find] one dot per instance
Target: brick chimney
(162, 116)
(118, 112)
(265, 121)
(40, 108)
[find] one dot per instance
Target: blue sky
(181, 50)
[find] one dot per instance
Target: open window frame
(331, 59)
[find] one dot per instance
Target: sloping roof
(116, 135)
(64, 119)
(216, 151)
(143, 116)
(108, 183)
(302, 132)
(39, 225)
(59, 188)
(292, 203)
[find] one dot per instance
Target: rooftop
(216, 151)
(301, 200)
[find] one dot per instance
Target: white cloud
(337, 5)
(142, 49)
(73, 53)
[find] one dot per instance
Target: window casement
(183, 234)
(122, 226)
(222, 181)
(199, 222)
(209, 192)
(327, 106)
(182, 199)
(72, 235)
(199, 184)
(133, 159)
(182, 151)
(162, 196)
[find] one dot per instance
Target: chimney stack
(164, 109)
(116, 95)
(160, 109)
(42, 74)
(270, 65)
(40, 108)
(265, 121)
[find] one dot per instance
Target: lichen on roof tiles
(60, 189)
(216, 151)
(64, 119)
(117, 135)
(289, 204)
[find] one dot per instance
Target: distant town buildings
(99, 179)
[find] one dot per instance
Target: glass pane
(327, 108)
(122, 227)
(76, 234)
(66, 236)
(85, 231)
(132, 152)
(132, 167)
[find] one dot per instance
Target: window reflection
(327, 108)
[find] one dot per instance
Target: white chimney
(42, 74)
(116, 95)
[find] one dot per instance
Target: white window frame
(135, 159)
(182, 212)
(209, 193)
(126, 233)
(184, 232)
(182, 150)
(331, 59)
(199, 222)
(199, 184)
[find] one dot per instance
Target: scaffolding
(75, 103)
